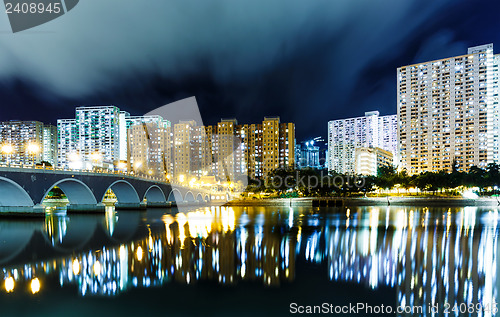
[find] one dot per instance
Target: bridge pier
(100, 207)
(22, 211)
(159, 204)
(122, 206)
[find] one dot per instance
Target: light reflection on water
(429, 256)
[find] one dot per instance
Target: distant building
(27, 143)
(49, 148)
(369, 160)
(229, 150)
(448, 112)
(182, 136)
(310, 154)
(149, 148)
(345, 135)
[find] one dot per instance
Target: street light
(7, 150)
(75, 160)
(33, 149)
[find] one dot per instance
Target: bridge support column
(159, 204)
(130, 205)
(22, 211)
(83, 208)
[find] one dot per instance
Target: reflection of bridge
(21, 189)
(138, 250)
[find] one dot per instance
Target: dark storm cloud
(307, 61)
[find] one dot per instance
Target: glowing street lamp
(74, 157)
(7, 149)
(96, 156)
(75, 160)
(122, 165)
(33, 148)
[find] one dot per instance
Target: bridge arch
(189, 196)
(199, 198)
(207, 198)
(155, 194)
(125, 193)
(13, 195)
(175, 195)
(78, 192)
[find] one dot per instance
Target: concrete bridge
(24, 190)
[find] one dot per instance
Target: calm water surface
(244, 261)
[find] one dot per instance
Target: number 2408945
(33, 8)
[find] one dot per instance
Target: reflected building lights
(453, 262)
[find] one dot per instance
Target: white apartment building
(98, 136)
(369, 160)
(93, 138)
(27, 143)
(448, 112)
(345, 135)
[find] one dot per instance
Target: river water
(248, 261)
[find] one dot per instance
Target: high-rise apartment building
(448, 112)
(229, 150)
(369, 160)
(27, 142)
(345, 135)
(254, 150)
(182, 136)
(149, 148)
(49, 146)
(67, 143)
(91, 139)
(265, 147)
(98, 137)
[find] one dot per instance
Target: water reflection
(429, 255)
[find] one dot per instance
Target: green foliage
(313, 182)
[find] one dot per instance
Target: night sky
(307, 61)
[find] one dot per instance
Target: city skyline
(319, 56)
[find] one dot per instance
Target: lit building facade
(94, 138)
(49, 144)
(229, 150)
(182, 136)
(448, 112)
(98, 137)
(266, 147)
(369, 160)
(345, 135)
(149, 148)
(27, 143)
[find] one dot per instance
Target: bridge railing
(138, 176)
(84, 171)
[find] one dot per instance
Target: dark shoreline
(369, 201)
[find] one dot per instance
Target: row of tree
(313, 182)
(388, 178)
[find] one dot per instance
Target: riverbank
(367, 201)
